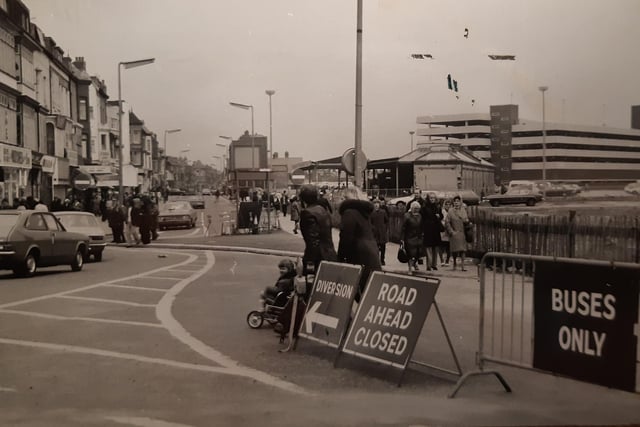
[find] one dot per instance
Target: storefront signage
(584, 322)
(97, 169)
(48, 164)
(15, 157)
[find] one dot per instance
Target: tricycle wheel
(255, 319)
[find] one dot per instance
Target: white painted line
(144, 422)
(165, 316)
(140, 288)
(190, 258)
(111, 301)
(184, 271)
(159, 277)
(85, 319)
(115, 355)
(8, 389)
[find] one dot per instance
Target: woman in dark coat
(380, 223)
(315, 226)
(431, 228)
(357, 243)
(411, 234)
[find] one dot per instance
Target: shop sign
(15, 157)
(48, 164)
(97, 169)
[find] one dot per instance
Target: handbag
(468, 232)
(402, 254)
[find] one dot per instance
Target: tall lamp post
(269, 92)
(412, 132)
(543, 89)
(126, 65)
(166, 155)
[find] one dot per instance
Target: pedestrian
(116, 218)
(146, 218)
(444, 236)
(134, 220)
(285, 282)
(155, 213)
(357, 242)
(411, 235)
(286, 201)
(380, 223)
(417, 197)
(315, 226)
(295, 214)
(4, 204)
(431, 228)
(456, 219)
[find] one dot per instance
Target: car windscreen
(75, 221)
(177, 206)
(7, 221)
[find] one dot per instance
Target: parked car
(514, 196)
(85, 223)
(196, 201)
(552, 189)
(32, 239)
(177, 214)
(206, 192)
(633, 188)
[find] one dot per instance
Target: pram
(272, 307)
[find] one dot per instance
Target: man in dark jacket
(357, 243)
(315, 226)
(380, 223)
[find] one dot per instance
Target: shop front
(15, 166)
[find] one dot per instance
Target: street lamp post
(126, 65)
(543, 89)
(166, 155)
(411, 132)
(269, 92)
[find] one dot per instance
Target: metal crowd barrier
(506, 321)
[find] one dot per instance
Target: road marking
(159, 277)
(86, 319)
(184, 271)
(141, 288)
(8, 389)
(165, 316)
(233, 267)
(112, 301)
(144, 422)
(189, 259)
(116, 355)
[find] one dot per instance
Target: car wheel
(494, 203)
(78, 261)
(531, 202)
(98, 256)
(29, 266)
(192, 225)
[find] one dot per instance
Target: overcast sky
(211, 52)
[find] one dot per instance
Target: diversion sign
(329, 306)
(390, 318)
(584, 322)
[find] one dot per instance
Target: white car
(633, 188)
(85, 223)
(207, 192)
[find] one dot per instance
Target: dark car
(85, 223)
(32, 239)
(177, 214)
(515, 196)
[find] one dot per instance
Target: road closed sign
(329, 306)
(390, 318)
(585, 317)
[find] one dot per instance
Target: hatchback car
(85, 223)
(515, 196)
(177, 214)
(32, 239)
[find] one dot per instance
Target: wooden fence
(614, 238)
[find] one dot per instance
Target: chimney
(80, 64)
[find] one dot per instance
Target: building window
(83, 108)
(84, 148)
(103, 142)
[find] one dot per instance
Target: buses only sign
(390, 318)
(585, 317)
(329, 307)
